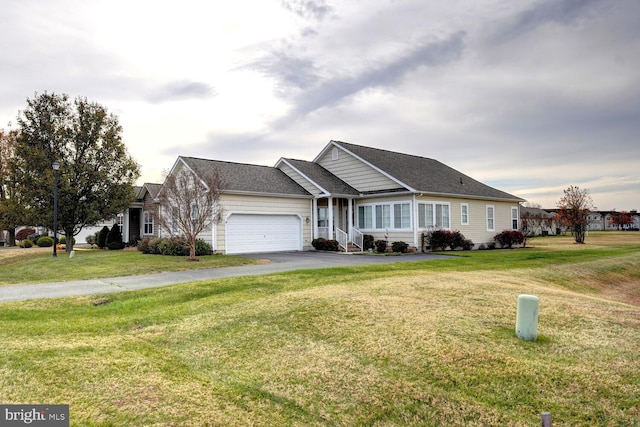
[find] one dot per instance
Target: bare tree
(534, 221)
(189, 204)
(573, 210)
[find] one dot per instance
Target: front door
(134, 225)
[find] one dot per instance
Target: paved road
(278, 263)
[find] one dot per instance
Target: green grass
(33, 266)
(428, 343)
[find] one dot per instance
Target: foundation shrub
(381, 246)
(443, 239)
(321, 244)
(368, 242)
(172, 246)
(399, 247)
(508, 238)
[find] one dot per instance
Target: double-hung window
(464, 214)
(323, 217)
(385, 216)
(491, 220)
(120, 221)
(175, 217)
(434, 214)
(148, 222)
(514, 218)
(402, 216)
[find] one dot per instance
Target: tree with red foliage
(621, 220)
(573, 210)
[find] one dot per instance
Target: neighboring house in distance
(349, 190)
(595, 221)
(537, 222)
(603, 221)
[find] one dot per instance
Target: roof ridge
(385, 150)
(227, 162)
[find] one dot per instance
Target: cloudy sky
(527, 96)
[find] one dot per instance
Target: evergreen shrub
(381, 246)
(44, 242)
(399, 247)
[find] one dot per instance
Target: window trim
(462, 214)
(434, 210)
(515, 218)
(148, 219)
(120, 222)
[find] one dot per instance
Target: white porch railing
(342, 238)
(357, 238)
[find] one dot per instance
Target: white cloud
(529, 97)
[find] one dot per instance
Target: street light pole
(56, 166)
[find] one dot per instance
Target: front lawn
(35, 265)
(428, 343)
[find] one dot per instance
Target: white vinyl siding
(385, 216)
(233, 204)
(434, 214)
(299, 179)
(354, 172)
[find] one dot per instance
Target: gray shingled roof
(323, 177)
(535, 212)
(425, 175)
(153, 189)
(241, 177)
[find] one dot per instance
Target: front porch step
(353, 248)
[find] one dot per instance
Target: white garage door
(263, 233)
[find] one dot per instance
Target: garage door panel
(263, 233)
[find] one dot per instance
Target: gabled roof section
(245, 178)
(324, 180)
(152, 188)
(424, 175)
(147, 187)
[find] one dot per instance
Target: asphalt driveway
(278, 262)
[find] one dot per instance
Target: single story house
(347, 191)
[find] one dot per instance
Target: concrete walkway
(277, 263)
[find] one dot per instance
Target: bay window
(385, 216)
